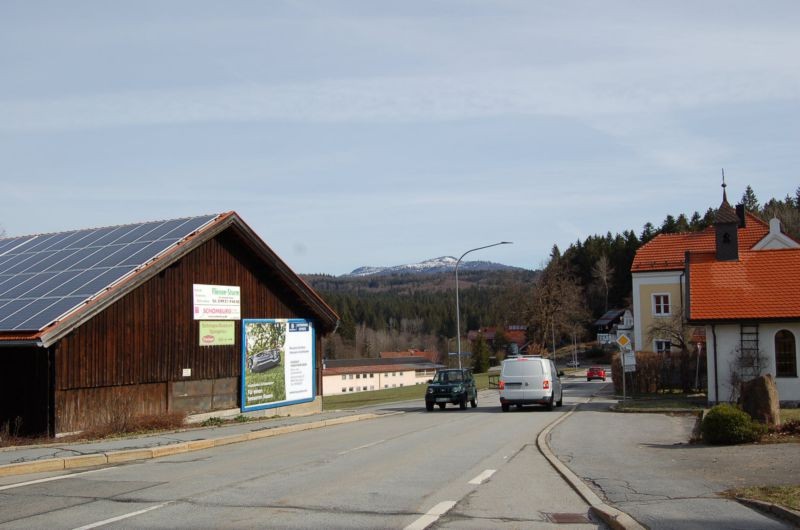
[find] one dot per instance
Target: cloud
(580, 91)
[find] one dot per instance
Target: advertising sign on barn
(277, 363)
(217, 302)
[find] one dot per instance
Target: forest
(398, 312)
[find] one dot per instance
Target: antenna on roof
(723, 179)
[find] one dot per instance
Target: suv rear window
(522, 367)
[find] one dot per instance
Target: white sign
(217, 302)
(629, 360)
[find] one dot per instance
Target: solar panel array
(44, 277)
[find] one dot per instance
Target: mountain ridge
(430, 266)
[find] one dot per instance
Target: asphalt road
(474, 468)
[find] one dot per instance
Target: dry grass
(788, 496)
(112, 427)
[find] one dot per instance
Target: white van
(530, 380)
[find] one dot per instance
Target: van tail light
(501, 385)
(546, 384)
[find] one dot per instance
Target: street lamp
(458, 312)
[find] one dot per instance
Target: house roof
(609, 317)
(666, 252)
(394, 364)
(52, 283)
(762, 284)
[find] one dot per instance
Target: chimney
(740, 214)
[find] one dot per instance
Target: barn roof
(52, 283)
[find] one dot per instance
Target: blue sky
(351, 133)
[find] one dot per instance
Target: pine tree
(749, 200)
(682, 224)
(648, 232)
(669, 225)
(480, 355)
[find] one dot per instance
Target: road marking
(50, 479)
(483, 476)
(432, 516)
(122, 517)
(365, 446)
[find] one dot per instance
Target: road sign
(623, 341)
(629, 359)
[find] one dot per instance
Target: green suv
(456, 386)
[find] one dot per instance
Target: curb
(614, 518)
(787, 514)
(117, 457)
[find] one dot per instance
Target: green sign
(217, 333)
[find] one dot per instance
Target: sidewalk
(59, 456)
(643, 465)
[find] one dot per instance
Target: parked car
(573, 364)
(456, 386)
(596, 372)
(529, 380)
(264, 360)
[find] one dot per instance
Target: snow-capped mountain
(431, 266)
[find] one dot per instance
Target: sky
(353, 133)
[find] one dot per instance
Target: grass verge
(788, 496)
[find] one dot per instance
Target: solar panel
(44, 277)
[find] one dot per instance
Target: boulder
(760, 400)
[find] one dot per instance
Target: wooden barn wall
(25, 397)
(150, 336)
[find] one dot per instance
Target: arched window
(785, 354)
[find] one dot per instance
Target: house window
(401, 373)
(350, 376)
(351, 389)
(371, 376)
(358, 376)
(344, 391)
(661, 305)
(344, 376)
(785, 354)
(662, 346)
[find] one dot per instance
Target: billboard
(278, 361)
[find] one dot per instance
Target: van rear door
(522, 376)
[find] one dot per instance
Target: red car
(595, 372)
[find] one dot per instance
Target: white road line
(365, 446)
(122, 517)
(432, 516)
(483, 476)
(50, 479)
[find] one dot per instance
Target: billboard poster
(278, 360)
(216, 302)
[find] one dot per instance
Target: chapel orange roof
(762, 284)
(666, 252)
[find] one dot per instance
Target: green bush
(726, 425)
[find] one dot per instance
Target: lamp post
(458, 311)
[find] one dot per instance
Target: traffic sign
(623, 341)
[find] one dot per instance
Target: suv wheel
(463, 403)
(549, 405)
(505, 407)
(428, 406)
(474, 401)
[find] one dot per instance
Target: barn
(195, 315)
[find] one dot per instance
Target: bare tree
(671, 328)
(556, 302)
(603, 272)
